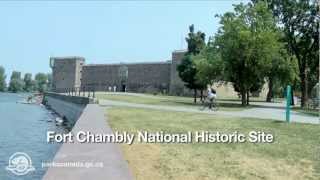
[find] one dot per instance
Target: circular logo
(20, 164)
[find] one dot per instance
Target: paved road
(270, 111)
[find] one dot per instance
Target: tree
(283, 71)
(196, 41)
(246, 41)
(209, 64)
(16, 83)
(187, 70)
(28, 84)
(41, 82)
(2, 79)
(187, 73)
(300, 23)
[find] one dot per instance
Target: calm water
(23, 128)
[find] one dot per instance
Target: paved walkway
(114, 165)
(274, 111)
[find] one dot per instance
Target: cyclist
(212, 95)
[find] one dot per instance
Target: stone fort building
(72, 73)
(146, 77)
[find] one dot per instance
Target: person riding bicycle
(212, 95)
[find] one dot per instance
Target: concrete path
(108, 154)
(274, 111)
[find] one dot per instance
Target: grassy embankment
(294, 154)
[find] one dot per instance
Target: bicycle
(206, 103)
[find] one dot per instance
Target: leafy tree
(196, 41)
(283, 71)
(246, 41)
(300, 23)
(209, 64)
(28, 84)
(2, 79)
(16, 83)
(187, 70)
(41, 82)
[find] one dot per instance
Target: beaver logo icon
(20, 164)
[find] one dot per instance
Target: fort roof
(180, 51)
(67, 57)
(131, 63)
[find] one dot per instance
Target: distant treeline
(40, 83)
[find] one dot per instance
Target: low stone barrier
(71, 99)
(68, 107)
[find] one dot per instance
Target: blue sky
(101, 31)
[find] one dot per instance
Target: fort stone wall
(66, 73)
(140, 77)
(100, 77)
(176, 84)
(149, 77)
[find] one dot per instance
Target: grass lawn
(148, 99)
(224, 104)
(295, 153)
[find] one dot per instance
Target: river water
(23, 128)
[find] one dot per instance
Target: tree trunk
(201, 95)
(292, 98)
(304, 88)
(248, 95)
(270, 93)
(243, 98)
(195, 96)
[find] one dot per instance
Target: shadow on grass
(279, 122)
(233, 105)
(251, 100)
(268, 107)
(225, 104)
(220, 104)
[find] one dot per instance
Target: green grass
(295, 153)
(148, 99)
(224, 104)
